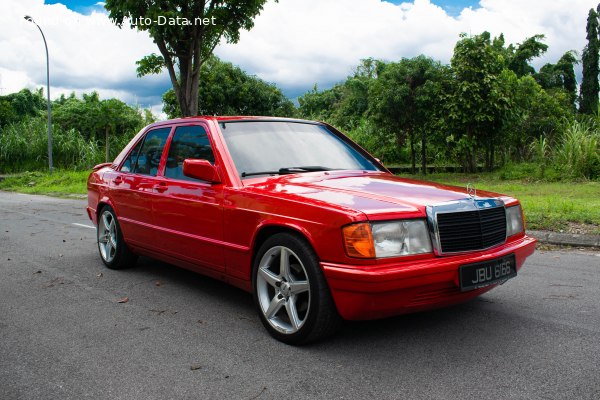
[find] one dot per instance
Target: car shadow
(190, 283)
(475, 327)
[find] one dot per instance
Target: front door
(188, 213)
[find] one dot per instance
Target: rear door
(189, 212)
(133, 188)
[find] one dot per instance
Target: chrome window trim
(462, 205)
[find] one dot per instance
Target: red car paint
(214, 229)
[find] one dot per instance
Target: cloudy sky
(294, 44)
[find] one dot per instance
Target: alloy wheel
(283, 289)
(107, 236)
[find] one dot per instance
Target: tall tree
(226, 89)
(402, 100)
(588, 101)
(198, 27)
(480, 98)
(519, 57)
(560, 76)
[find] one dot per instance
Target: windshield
(278, 147)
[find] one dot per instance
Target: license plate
(485, 273)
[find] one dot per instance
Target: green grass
(554, 206)
(62, 183)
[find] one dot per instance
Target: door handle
(160, 187)
(118, 180)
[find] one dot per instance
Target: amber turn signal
(358, 240)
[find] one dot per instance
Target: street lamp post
(28, 18)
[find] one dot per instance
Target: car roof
(218, 119)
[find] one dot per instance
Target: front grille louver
(471, 230)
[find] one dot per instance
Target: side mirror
(201, 169)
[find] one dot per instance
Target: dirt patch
(582, 228)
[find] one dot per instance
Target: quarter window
(151, 152)
(187, 142)
(130, 161)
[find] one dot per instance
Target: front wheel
(292, 297)
(114, 252)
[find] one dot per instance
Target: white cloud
(301, 42)
(295, 43)
(87, 52)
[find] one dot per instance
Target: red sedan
(297, 214)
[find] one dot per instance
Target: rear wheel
(292, 297)
(114, 252)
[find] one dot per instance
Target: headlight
(514, 220)
(401, 238)
(387, 239)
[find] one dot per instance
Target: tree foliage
(345, 104)
(92, 116)
(520, 56)
(15, 107)
(404, 100)
(486, 107)
(560, 76)
(479, 99)
(184, 47)
(226, 89)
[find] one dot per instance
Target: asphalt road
(63, 334)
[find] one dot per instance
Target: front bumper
(382, 290)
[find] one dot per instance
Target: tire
(113, 251)
(292, 298)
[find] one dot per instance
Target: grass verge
(572, 207)
(61, 183)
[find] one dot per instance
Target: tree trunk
(413, 155)
(424, 152)
(107, 147)
(489, 155)
(471, 162)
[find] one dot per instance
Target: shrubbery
(24, 147)
(79, 131)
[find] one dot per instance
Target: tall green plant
(588, 101)
(23, 146)
(579, 152)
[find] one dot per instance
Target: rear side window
(187, 142)
(149, 155)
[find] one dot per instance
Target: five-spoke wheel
(292, 297)
(114, 252)
(107, 236)
(283, 289)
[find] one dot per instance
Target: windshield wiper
(289, 170)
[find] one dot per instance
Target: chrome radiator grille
(468, 225)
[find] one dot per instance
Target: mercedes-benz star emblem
(471, 191)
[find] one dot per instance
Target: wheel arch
(265, 231)
(105, 201)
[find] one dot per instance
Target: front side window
(150, 152)
(187, 142)
(277, 147)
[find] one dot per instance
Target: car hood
(377, 194)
